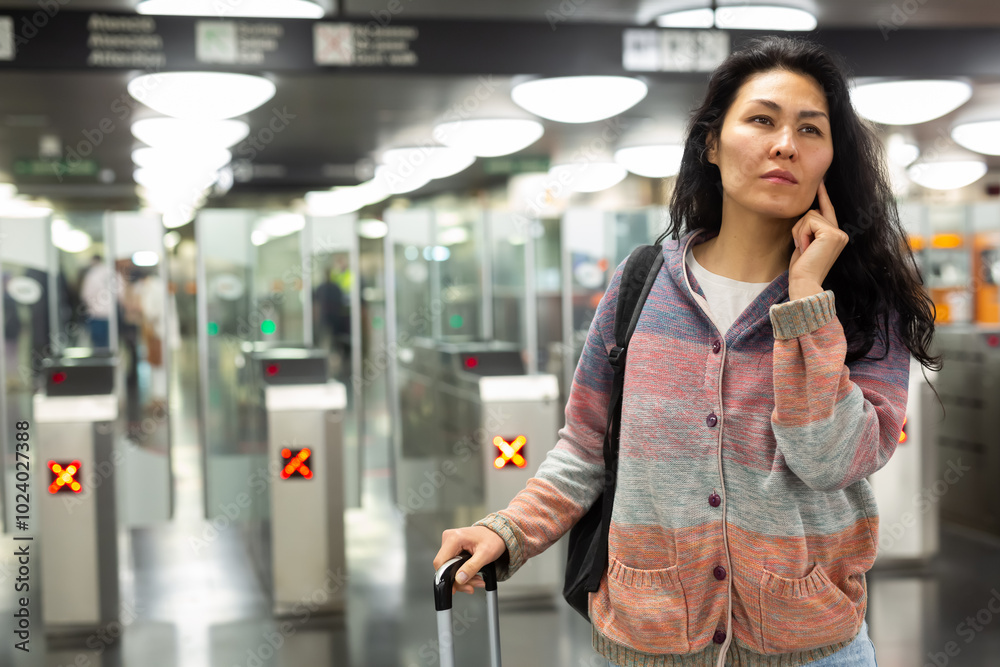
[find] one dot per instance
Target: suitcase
(444, 579)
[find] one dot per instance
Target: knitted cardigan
(743, 522)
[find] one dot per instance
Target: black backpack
(587, 557)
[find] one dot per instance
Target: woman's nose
(784, 145)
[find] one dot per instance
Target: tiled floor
(207, 608)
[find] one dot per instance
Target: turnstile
(907, 489)
(75, 484)
(305, 414)
(475, 428)
(967, 442)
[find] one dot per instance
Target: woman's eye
(761, 118)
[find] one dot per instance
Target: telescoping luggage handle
(443, 581)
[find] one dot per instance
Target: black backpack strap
(640, 273)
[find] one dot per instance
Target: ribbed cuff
(801, 316)
(511, 537)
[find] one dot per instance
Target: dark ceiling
(343, 120)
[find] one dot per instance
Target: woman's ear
(710, 148)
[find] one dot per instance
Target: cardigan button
(715, 500)
(719, 572)
(719, 637)
(711, 420)
(716, 346)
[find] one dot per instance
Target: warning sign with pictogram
(293, 463)
(64, 477)
(333, 43)
(510, 452)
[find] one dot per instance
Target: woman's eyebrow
(806, 113)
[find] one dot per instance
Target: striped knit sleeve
(571, 477)
(835, 424)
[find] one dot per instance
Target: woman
(766, 379)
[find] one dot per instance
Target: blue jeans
(859, 653)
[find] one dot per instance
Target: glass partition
(148, 335)
(332, 246)
(594, 243)
(25, 264)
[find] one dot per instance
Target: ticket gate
(305, 415)
(907, 488)
(968, 449)
(75, 470)
(475, 429)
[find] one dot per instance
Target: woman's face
(779, 120)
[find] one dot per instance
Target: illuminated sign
(63, 477)
(902, 434)
(510, 452)
(294, 463)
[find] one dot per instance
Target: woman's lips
(778, 179)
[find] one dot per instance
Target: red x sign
(62, 477)
(295, 463)
(509, 451)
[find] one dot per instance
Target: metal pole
(201, 284)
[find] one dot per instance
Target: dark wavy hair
(875, 274)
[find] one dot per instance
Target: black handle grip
(444, 579)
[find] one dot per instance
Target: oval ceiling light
(372, 229)
(949, 175)
(688, 18)
(763, 17)
(339, 201)
(489, 137)
(212, 159)
(272, 9)
(201, 95)
(69, 239)
(399, 182)
(172, 180)
(579, 99)
(178, 216)
(901, 152)
(281, 224)
(145, 258)
(909, 102)
(174, 133)
(654, 161)
(589, 176)
(981, 136)
(429, 161)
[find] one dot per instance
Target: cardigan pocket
(803, 614)
(643, 609)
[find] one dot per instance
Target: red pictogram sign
(510, 452)
(63, 477)
(294, 463)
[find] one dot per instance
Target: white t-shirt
(727, 298)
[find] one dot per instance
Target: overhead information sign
(56, 36)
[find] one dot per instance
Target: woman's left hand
(818, 243)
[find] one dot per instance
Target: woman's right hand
(485, 547)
